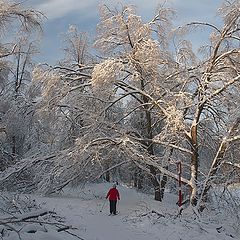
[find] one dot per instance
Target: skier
(113, 195)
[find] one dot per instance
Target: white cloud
(186, 9)
(59, 8)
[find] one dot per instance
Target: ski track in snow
(83, 212)
(96, 225)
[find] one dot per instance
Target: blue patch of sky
(84, 14)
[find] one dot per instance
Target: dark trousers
(113, 205)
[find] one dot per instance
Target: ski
(111, 214)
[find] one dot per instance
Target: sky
(84, 14)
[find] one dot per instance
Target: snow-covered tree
(15, 62)
(148, 103)
(183, 92)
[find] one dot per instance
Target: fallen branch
(37, 215)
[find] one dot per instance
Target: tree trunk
(149, 135)
(14, 145)
(139, 183)
(162, 186)
(107, 176)
(156, 185)
(194, 165)
(137, 179)
(164, 178)
(153, 170)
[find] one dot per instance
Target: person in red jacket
(113, 195)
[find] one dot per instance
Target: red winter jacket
(113, 194)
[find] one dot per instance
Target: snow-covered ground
(139, 218)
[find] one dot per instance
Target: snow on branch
(9, 53)
(217, 160)
(237, 165)
(220, 90)
(28, 19)
(146, 159)
(32, 220)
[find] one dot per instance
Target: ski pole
(103, 205)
